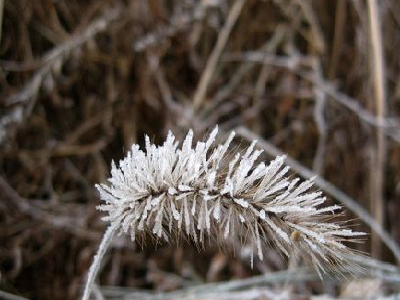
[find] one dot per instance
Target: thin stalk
(216, 53)
(94, 268)
(377, 177)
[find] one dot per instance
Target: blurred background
(80, 81)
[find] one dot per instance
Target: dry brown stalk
(216, 53)
(378, 156)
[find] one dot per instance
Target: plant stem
(94, 268)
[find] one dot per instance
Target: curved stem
(94, 268)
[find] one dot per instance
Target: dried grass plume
(198, 191)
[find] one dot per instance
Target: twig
(165, 90)
(26, 97)
(297, 12)
(390, 126)
(319, 109)
(250, 294)
(179, 23)
(37, 213)
(216, 53)
(317, 37)
(259, 89)
(244, 69)
(199, 291)
(328, 188)
(374, 268)
(71, 150)
(58, 54)
(268, 48)
(340, 23)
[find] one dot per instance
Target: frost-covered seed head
(195, 191)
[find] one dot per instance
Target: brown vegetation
(82, 80)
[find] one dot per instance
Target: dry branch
(216, 53)
(390, 126)
(24, 100)
(270, 283)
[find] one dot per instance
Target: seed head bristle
(170, 192)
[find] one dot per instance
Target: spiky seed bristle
(168, 191)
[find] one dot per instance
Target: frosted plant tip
(199, 190)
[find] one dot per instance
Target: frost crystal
(196, 190)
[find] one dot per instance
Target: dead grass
(81, 80)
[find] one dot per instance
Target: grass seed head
(169, 191)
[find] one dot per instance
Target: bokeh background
(80, 81)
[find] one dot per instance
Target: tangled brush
(196, 192)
